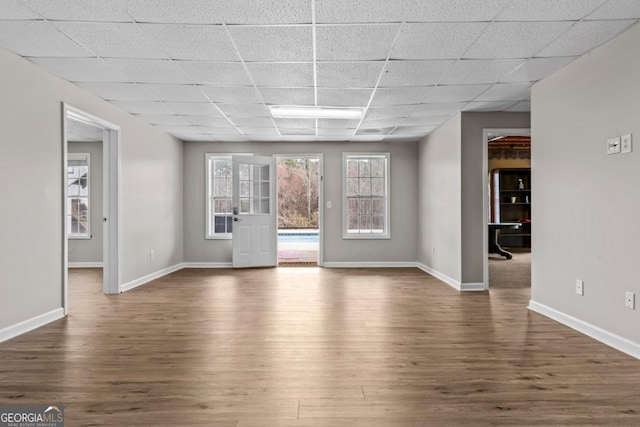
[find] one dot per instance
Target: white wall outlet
(625, 143)
(328, 205)
(630, 300)
(580, 287)
(152, 255)
(613, 145)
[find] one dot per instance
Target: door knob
(236, 219)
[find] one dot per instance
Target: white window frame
(208, 159)
(387, 196)
(80, 157)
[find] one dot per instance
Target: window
(366, 195)
(78, 196)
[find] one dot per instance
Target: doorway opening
(299, 214)
(508, 201)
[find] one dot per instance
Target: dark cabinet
(511, 202)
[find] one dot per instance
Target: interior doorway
(299, 209)
(508, 201)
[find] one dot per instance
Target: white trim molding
(463, 287)
(370, 264)
(150, 277)
(616, 341)
(30, 324)
(86, 264)
(207, 265)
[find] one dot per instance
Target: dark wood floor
(314, 347)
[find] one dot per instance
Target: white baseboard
(619, 343)
(85, 265)
(207, 265)
(370, 264)
(149, 277)
(463, 287)
(30, 324)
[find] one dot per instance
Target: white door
(255, 230)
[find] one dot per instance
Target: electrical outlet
(152, 254)
(580, 287)
(613, 145)
(630, 300)
(625, 143)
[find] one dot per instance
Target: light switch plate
(613, 145)
(625, 143)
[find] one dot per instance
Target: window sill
(223, 237)
(366, 237)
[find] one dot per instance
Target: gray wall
(31, 176)
(404, 189)
(90, 250)
(586, 203)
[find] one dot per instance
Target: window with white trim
(366, 195)
(78, 196)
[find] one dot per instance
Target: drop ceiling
(207, 70)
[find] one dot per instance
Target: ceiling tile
(524, 106)
(434, 120)
(82, 69)
(381, 124)
(188, 137)
(548, 10)
(585, 36)
(216, 73)
(412, 130)
(516, 39)
(281, 75)
(219, 130)
(349, 74)
(485, 106)
(265, 131)
(288, 96)
(274, 43)
(454, 93)
(354, 42)
(81, 10)
(344, 97)
(194, 108)
(164, 119)
(297, 131)
(12, 9)
(617, 9)
(363, 11)
(38, 38)
(436, 41)
(174, 12)
(266, 138)
(196, 42)
(175, 93)
(255, 122)
(439, 109)
(506, 92)
(295, 123)
(233, 95)
(338, 123)
(414, 73)
(151, 70)
(142, 107)
(476, 71)
(374, 131)
(245, 110)
(335, 132)
(375, 113)
(400, 95)
(115, 40)
(118, 91)
(367, 138)
(264, 11)
(214, 122)
(456, 10)
(536, 69)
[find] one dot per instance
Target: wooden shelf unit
(510, 203)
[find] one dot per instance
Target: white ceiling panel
(272, 138)
(216, 73)
(335, 132)
(395, 111)
(174, 12)
(414, 73)
(516, 39)
(454, 93)
(281, 75)
(536, 69)
(260, 131)
(524, 106)
(585, 36)
(548, 10)
(213, 122)
(164, 119)
(374, 131)
(221, 131)
(399, 95)
(114, 40)
(285, 43)
(295, 123)
(175, 93)
(436, 40)
(426, 120)
(151, 70)
(381, 124)
(245, 110)
(488, 106)
(254, 122)
(477, 71)
(367, 138)
(142, 107)
(233, 95)
(193, 42)
(12, 9)
(82, 69)
(297, 131)
(338, 123)
(412, 130)
(118, 91)
(363, 11)
(264, 11)
(344, 97)
(288, 96)
(38, 38)
(456, 10)
(194, 108)
(181, 129)
(618, 9)
(193, 137)
(81, 10)
(349, 74)
(506, 92)
(354, 42)
(440, 109)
